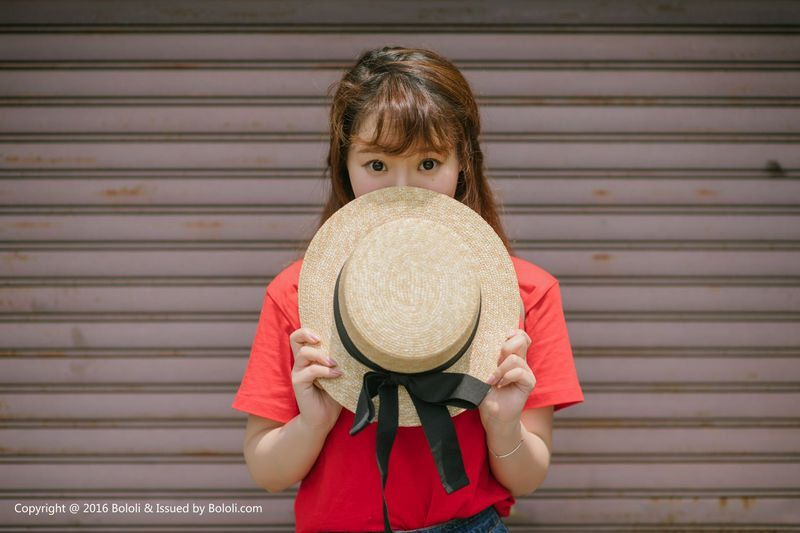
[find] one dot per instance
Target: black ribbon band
(431, 391)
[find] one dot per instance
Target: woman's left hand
(514, 381)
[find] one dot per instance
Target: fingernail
(313, 337)
(492, 379)
(510, 332)
(331, 362)
(337, 372)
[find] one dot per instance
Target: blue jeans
(487, 521)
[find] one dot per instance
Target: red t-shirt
(342, 491)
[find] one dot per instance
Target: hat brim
(337, 238)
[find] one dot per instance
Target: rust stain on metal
(601, 192)
(10, 352)
(601, 257)
(203, 224)
(705, 192)
(15, 256)
(48, 353)
(138, 190)
(39, 159)
(747, 501)
(723, 502)
(32, 225)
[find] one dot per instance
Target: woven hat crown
(408, 295)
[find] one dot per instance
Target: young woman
(404, 117)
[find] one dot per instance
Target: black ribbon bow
(431, 391)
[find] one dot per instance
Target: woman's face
(370, 171)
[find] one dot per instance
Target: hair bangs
(407, 120)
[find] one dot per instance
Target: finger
(516, 344)
(510, 361)
(518, 331)
(303, 336)
(312, 372)
(308, 355)
(514, 375)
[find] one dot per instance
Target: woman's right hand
(317, 408)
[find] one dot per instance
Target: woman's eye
(432, 161)
(378, 166)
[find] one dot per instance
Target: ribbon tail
(388, 418)
(431, 394)
(443, 443)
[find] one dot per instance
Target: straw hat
(413, 268)
(426, 293)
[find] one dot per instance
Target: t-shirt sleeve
(266, 388)
(550, 354)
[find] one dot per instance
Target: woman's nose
(401, 178)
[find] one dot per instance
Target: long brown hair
(423, 100)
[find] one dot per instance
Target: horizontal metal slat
(415, 13)
(175, 476)
(217, 122)
(583, 444)
(584, 46)
(642, 82)
(580, 224)
(196, 403)
(115, 262)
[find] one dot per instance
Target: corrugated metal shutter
(161, 161)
